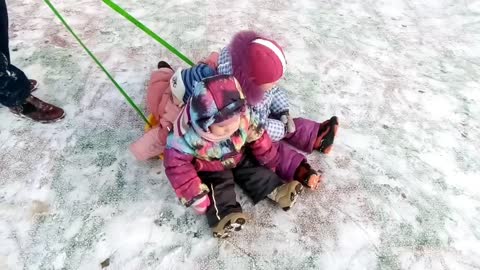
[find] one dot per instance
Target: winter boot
(326, 135)
(307, 176)
(163, 64)
(39, 111)
(286, 194)
(230, 223)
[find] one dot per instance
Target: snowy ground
(402, 188)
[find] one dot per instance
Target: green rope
(147, 31)
(129, 100)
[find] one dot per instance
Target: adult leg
(15, 93)
(16, 88)
(4, 30)
(14, 85)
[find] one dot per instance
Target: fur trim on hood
(238, 49)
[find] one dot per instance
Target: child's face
(225, 129)
(268, 86)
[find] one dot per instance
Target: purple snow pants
(302, 139)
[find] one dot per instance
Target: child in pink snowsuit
(166, 94)
(258, 64)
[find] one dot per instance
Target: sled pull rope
(148, 31)
(124, 94)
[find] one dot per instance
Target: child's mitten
(200, 206)
(288, 121)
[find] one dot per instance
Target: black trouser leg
(14, 84)
(14, 88)
(223, 200)
(257, 181)
(4, 30)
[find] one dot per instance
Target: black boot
(326, 135)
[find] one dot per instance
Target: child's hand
(200, 206)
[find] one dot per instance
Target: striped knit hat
(215, 100)
(183, 81)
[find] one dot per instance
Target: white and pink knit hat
(267, 60)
